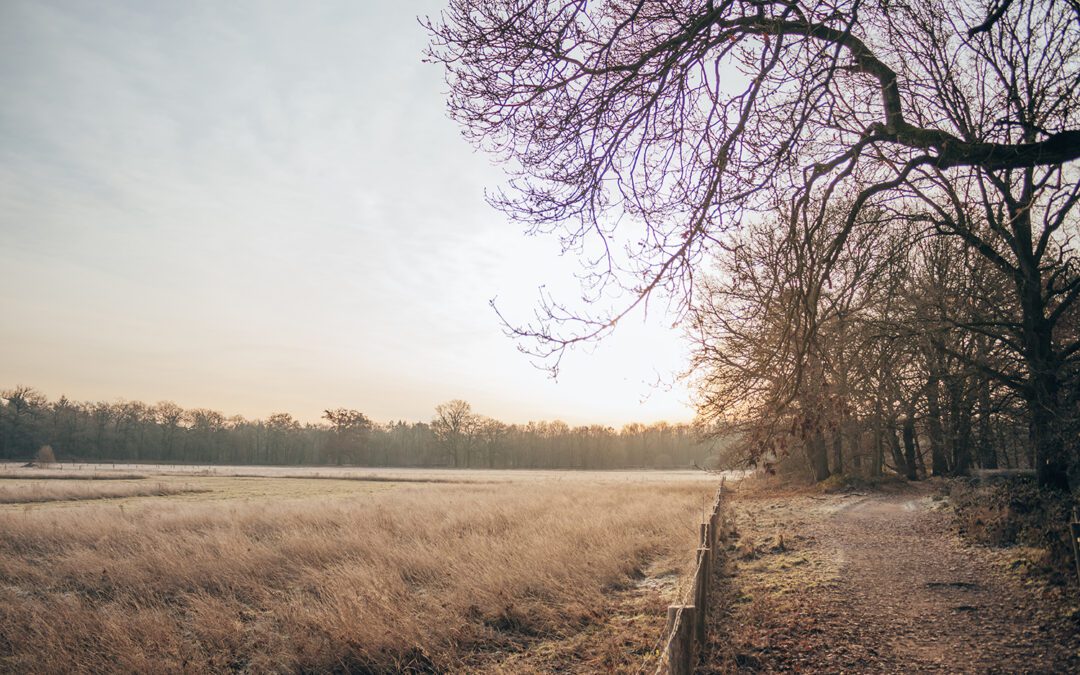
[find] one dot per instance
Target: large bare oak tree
(648, 133)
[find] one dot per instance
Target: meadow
(343, 570)
(29, 492)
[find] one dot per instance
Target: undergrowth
(1016, 513)
(846, 482)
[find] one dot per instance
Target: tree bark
(987, 450)
(939, 465)
(878, 458)
(1043, 390)
(909, 448)
(961, 431)
(817, 454)
(897, 451)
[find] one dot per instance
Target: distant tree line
(133, 431)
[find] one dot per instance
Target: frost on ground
(282, 574)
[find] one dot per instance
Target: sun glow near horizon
(258, 211)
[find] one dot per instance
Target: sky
(263, 206)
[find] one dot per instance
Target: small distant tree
(207, 431)
(281, 431)
(21, 410)
(351, 429)
(45, 456)
(455, 427)
(491, 437)
(169, 418)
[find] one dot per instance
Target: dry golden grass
(431, 577)
(49, 491)
(39, 474)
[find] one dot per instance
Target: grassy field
(286, 570)
(29, 492)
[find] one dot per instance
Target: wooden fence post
(701, 599)
(681, 647)
(687, 625)
(1074, 530)
(714, 526)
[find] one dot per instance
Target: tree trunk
(838, 451)
(961, 433)
(920, 457)
(1044, 433)
(909, 448)
(987, 450)
(856, 445)
(878, 458)
(1047, 444)
(1051, 467)
(897, 452)
(817, 454)
(938, 463)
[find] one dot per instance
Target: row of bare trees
(133, 431)
(902, 361)
(888, 192)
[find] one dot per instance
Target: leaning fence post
(680, 625)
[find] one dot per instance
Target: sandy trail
(876, 583)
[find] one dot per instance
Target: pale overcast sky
(262, 206)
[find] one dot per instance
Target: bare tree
(206, 428)
(775, 347)
(22, 406)
(646, 132)
(281, 428)
(351, 429)
(455, 426)
(169, 417)
(490, 435)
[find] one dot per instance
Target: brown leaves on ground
(877, 583)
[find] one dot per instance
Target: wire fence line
(687, 622)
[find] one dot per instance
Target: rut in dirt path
(875, 584)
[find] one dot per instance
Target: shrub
(1017, 513)
(45, 456)
(662, 461)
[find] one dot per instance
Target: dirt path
(877, 583)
